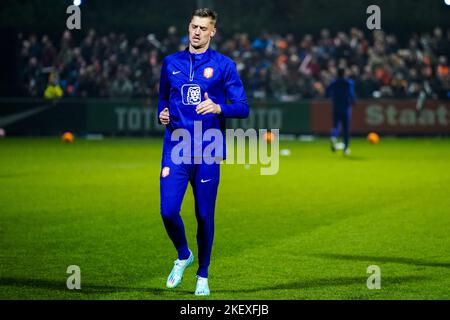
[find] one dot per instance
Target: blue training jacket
(342, 93)
(185, 77)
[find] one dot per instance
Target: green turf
(309, 232)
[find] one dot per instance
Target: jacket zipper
(191, 71)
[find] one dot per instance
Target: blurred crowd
(272, 66)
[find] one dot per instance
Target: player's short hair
(341, 72)
(205, 13)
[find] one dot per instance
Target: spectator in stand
(53, 90)
(272, 66)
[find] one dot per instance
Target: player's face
(201, 30)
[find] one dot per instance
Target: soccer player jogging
(342, 93)
(198, 85)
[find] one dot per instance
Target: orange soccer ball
(373, 138)
(269, 136)
(67, 137)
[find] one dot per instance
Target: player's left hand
(208, 106)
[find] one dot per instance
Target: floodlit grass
(309, 232)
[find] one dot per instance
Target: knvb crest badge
(191, 94)
(208, 72)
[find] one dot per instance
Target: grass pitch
(309, 232)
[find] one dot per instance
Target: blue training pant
(204, 179)
(342, 118)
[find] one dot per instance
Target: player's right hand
(164, 116)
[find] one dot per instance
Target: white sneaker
(202, 288)
(347, 152)
(175, 276)
(340, 146)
